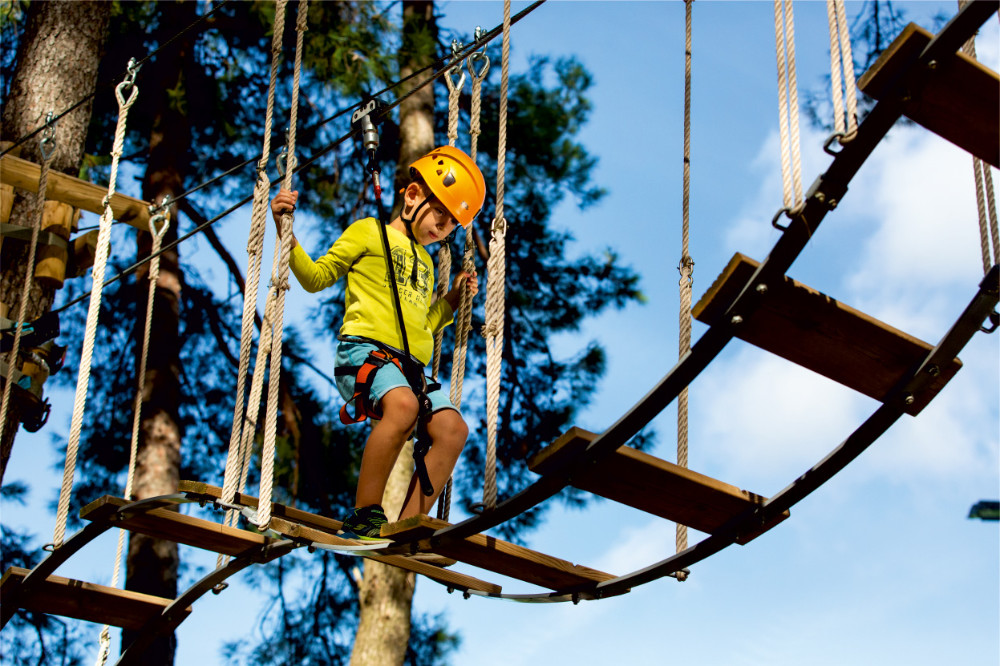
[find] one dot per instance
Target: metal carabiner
(477, 56)
(456, 48)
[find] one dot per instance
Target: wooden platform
(498, 556)
(74, 191)
(647, 483)
(818, 332)
(83, 601)
(173, 526)
(958, 99)
(298, 524)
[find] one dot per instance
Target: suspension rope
(245, 414)
(154, 276)
(495, 284)
(985, 198)
(47, 147)
(686, 268)
(444, 252)
(100, 262)
(842, 80)
(788, 105)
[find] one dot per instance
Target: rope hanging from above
(986, 204)
(495, 285)
(686, 269)
(154, 276)
(788, 105)
(100, 263)
(842, 79)
(47, 147)
(245, 414)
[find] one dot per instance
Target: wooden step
(498, 556)
(83, 601)
(644, 482)
(818, 332)
(74, 191)
(298, 524)
(958, 99)
(173, 526)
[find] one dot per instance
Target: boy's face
(433, 222)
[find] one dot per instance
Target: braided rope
(280, 289)
(985, 199)
(48, 153)
(842, 79)
(788, 104)
(686, 266)
(463, 318)
(154, 276)
(255, 247)
(493, 329)
(100, 263)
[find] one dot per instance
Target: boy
(446, 189)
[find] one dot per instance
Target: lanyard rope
(788, 104)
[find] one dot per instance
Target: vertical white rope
(255, 247)
(686, 267)
(788, 104)
(100, 263)
(280, 289)
(47, 149)
(842, 81)
(985, 198)
(495, 285)
(154, 275)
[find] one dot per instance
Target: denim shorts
(388, 377)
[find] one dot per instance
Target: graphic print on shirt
(402, 263)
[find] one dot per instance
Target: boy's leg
(399, 415)
(448, 433)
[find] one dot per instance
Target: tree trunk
(153, 563)
(57, 66)
(386, 593)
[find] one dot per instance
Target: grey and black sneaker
(364, 523)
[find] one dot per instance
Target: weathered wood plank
(83, 601)
(818, 332)
(659, 487)
(498, 556)
(173, 526)
(958, 98)
(74, 191)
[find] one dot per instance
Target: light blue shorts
(388, 377)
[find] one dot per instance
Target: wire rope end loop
(48, 143)
(499, 226)
(51, 547)
(128, 84)
(160, 214)
(456, 67)
(478, 57)
(841, 138)
(686, 268)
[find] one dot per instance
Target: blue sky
(880, 565)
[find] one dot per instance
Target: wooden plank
(173, 526)
(498, 556)
(818, 332)
(83, 601)
(659, 487)
(958, 98)
(320, 529)
(74, 191)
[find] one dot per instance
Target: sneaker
(364, 523)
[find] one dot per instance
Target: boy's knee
(453, 427)
(400, 405)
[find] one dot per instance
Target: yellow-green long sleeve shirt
(369, 310)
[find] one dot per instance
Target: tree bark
(153, 563)
(57, 63)
(386, 593)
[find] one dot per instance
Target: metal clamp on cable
(365, 119)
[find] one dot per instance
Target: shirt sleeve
(439, 315)
(318, 275)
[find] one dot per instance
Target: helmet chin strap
(408, 223)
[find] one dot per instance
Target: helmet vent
(449, 179)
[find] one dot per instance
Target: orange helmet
(455, 181)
